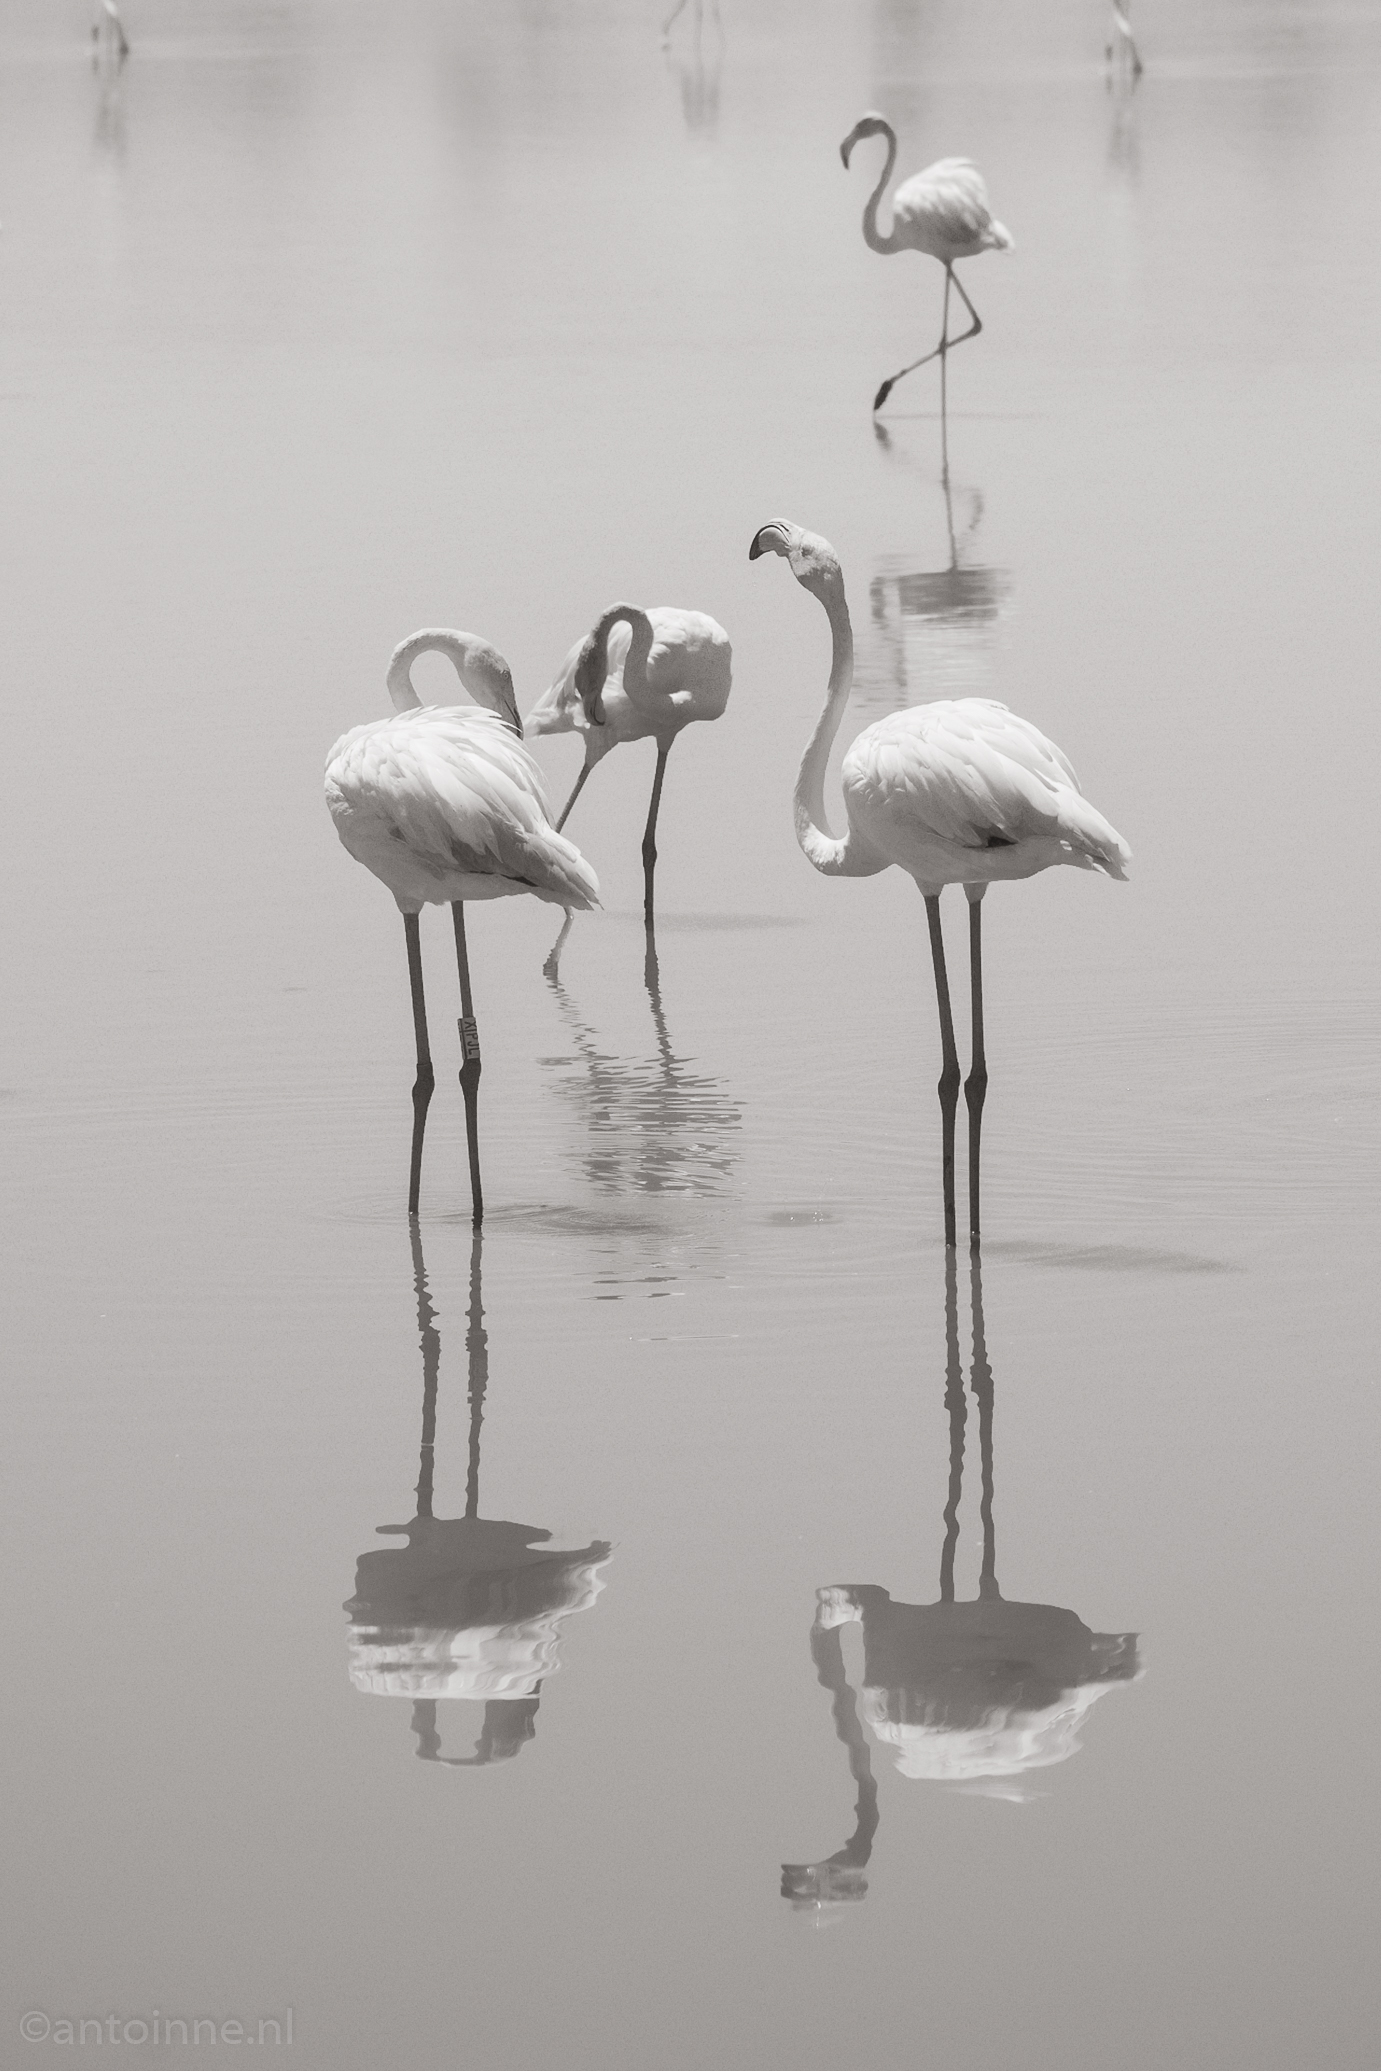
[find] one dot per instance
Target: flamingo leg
(470, 1068)
(949, 1076)
(976, 1085)
(946, 344)
(839, 1875)
(958, 1415)
(944, 373)
(650, 833)
(983, 1395)
(552, 967)
(579, 787)
(426, 1078)
(976, 326)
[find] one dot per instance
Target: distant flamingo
(957, 792)
(635, 674)
(1125, 45)
(944, 211)
(110, 29)
(444, 803)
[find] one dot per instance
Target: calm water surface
(1023, 1617)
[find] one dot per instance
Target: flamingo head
(812, 560)
(869, 125)
(491, 683)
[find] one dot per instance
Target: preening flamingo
(637, 674)
(957, 792)
(445, 804)
(944, 211)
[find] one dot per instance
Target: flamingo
(110, 29)
(445, 804)
(957, 792)
(635, 674)
(944, 211)
(1125, 41)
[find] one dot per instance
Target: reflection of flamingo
(445, 804)
(943, 211)
(654, 1126)
(951, 606)
(470, 1608)
(635, 674)
(976, 1694)
(1124, 43)
(109, 30)
(957, 792)
(699, 81)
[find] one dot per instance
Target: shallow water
(320, 326)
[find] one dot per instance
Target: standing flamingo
(957, 792)
(944, 211)
(1124, 44)
(637, 673)
(445, 804)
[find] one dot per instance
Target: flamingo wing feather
(458, 792)
(972, 774)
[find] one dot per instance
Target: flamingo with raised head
(957, 792)
(944, 211)
(444, 804)
(637, 674)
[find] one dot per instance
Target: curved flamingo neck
(635, 683)
(822, 848)
(872, 235)
(483, 672)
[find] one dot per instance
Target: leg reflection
(839, 1879)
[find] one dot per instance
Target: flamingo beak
(775, 538)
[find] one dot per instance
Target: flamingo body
(686, 676)
(444, 803)
(966, 792)
(944, 211)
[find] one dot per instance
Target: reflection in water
(655, 1126)
(697, 65)
(110, 102)
(108, 39)
(1124, 147)
(933, 628)
(471, 1607)
(1123, 56)
(973, 1694)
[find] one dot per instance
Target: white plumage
(942, 211)
(959, 792)
(444, 802)
(637, 675)
(966, 792)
